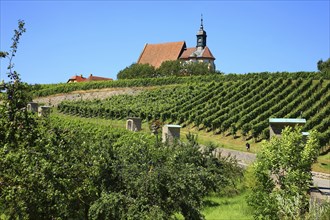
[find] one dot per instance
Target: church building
(156, 54)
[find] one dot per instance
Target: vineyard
(223, 106)
(63, 167)
(40, 90)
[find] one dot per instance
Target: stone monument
(133, 124)
(170, 133)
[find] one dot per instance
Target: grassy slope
(222, 141)
(203, 137)
(322, 164)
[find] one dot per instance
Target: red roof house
(97, 78)
(90, 78)
(76, 79)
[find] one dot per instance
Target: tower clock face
(199, 41)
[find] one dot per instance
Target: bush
(283, 177)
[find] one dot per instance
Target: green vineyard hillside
(40, 90)
(222, 106)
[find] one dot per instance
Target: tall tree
(196, 68)
(170, 68)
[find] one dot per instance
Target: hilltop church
(155, 54)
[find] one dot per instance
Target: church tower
(201, 53)
(156, 54)
(201, 37)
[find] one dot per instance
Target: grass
(225, 208)
(229, 205)
(323, 163)
(235, 208)
(223, 141)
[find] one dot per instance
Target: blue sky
(65, 38)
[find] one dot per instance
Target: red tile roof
(97, 78)
(155, 54)
(206, 53)
(186, 53)
(90, 78)
(77, 79)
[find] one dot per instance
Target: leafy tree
(196, 68)
(137, 71)
(167, 69)
(40, 176)
(323, 65)
(282, 176)
(324, 68)
(13, 113)
(170, 68)
(154, 182)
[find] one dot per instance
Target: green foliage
(230, 203)
(13, 115)
(170, 68)
(157, 181)
(282, 174)
(57, 169)
(74, 169)
(40, 163)
(57, 175)
(323, 65)
(245, 129)
(235, 107)
(136, 70)
(196, 68)
(233, 130)
(167, 69)
(50, 89)
(227, 207)
(51, 168)
(318, 211)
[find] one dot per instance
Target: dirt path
(243, 158)
(54, 100)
